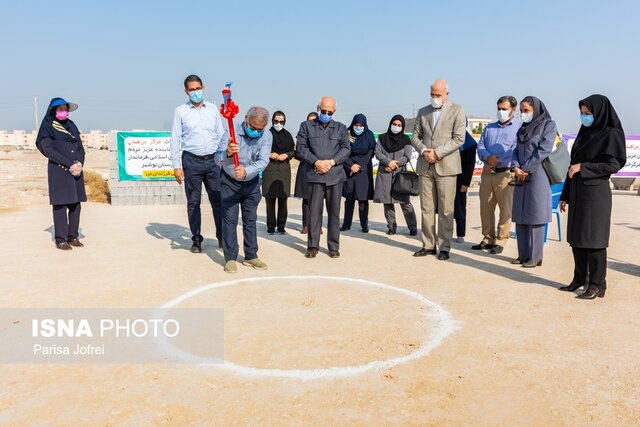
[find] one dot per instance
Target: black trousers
(279, 220)
(460, 213)
(363, 213)
(238, 195)
(592, 262)
(319, 194)
(196, 173)
(66, 222)
(305, 213)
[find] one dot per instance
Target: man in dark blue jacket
(324, 144)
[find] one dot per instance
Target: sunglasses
(279, 121)
(327, 112)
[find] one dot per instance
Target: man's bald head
(327, 103)
(440, 85)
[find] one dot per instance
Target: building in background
(22, 140)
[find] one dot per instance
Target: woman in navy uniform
(59, 140)
(598, 151)
(532, 194)
(359, 170)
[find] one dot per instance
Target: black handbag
(557, 164)
(406, 183)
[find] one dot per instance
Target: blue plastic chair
(556, 191)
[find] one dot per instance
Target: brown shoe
(334, 254)
(77, 243)
(64, 246)
(304, 230)
(311, 253)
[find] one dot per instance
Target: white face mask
(278, 127)
(436, 103)
(504, 116)
(526, 117)
(396, 129)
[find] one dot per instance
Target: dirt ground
(523, 353)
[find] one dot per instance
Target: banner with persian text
(632, 167)
(144, 156)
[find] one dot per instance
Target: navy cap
(56, 102)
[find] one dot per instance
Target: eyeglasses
(327, 112)
(194, 89)
(279, 122)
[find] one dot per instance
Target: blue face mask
(324, 118)
(358, 131)
(586, 119)
(196, 96)
(252, 133)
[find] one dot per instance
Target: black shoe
(519, 261)
(425, 252)
(271, 231)
(334, 254)
(592, 292)
(482, 245)
(532, 263)
(573, 286)
(311, 253)
(497, 249)
(413, 232)
(443, 255)
(392, 229)
(196, 248)
(344, 228)
(281, 231)
(365, 229)
(64, 246)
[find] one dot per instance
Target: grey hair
(259, 113)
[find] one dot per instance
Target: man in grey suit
(438, 133)
(324, 144)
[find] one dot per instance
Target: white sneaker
(460, 239)
(255, 263)
(231, 267)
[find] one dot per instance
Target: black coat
(468, 164)
(301, 189)
(359, 186)
(600, 151)
(63, 149)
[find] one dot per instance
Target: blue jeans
(238, 195)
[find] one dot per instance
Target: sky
(124, 62)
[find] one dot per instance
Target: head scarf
(62, 130)
(365, 141)
(393, 142)
(282, 141)
(540, 117)
(605, 137)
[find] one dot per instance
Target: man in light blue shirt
(240, 187)
(195, 137)
(495, 149)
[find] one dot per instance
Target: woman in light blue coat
(532, 195)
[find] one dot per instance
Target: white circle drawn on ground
(445, 325)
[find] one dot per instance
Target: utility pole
(35, 110)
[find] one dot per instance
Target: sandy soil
(523, 353)
(23, 176)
